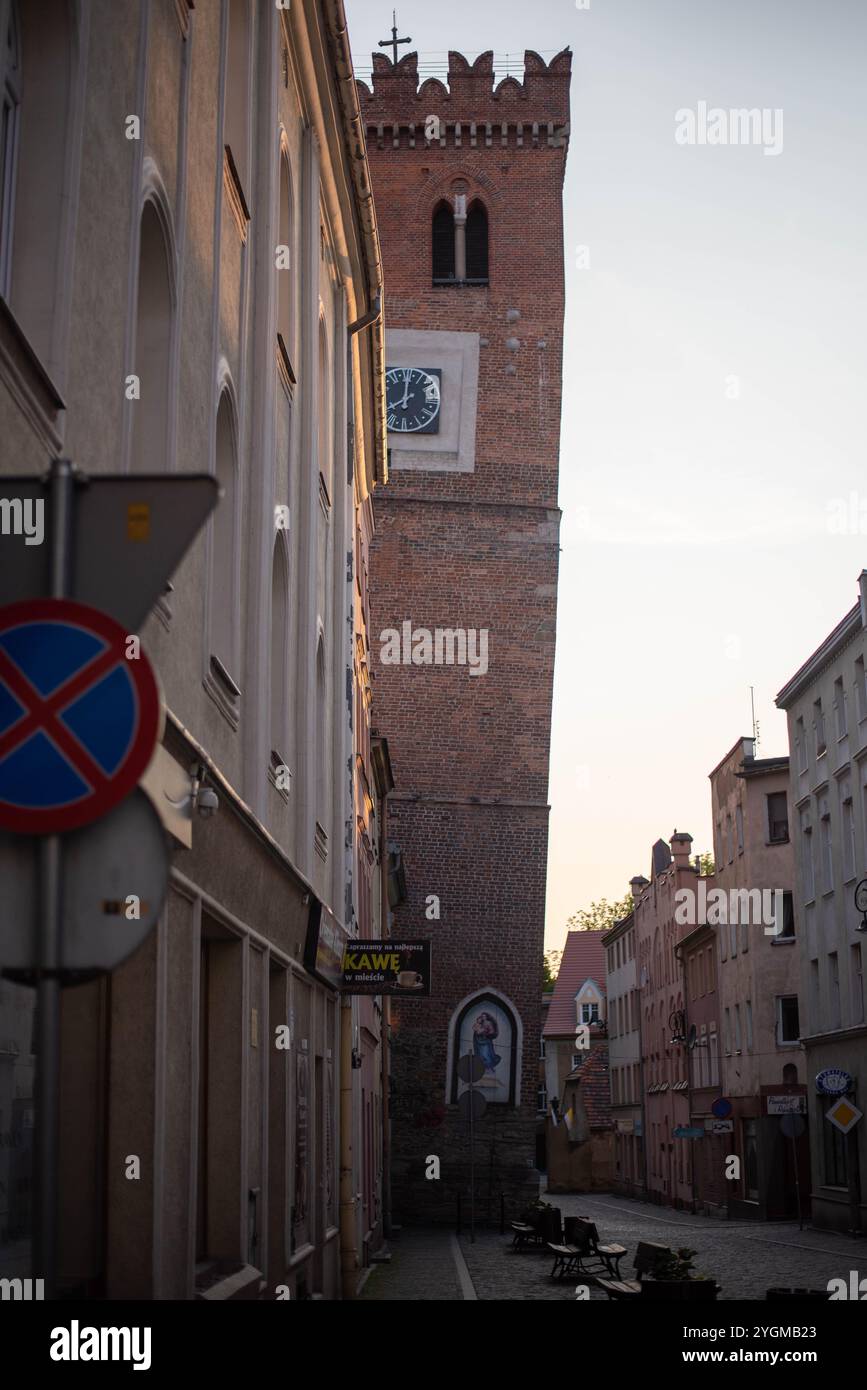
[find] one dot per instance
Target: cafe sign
(387, 967)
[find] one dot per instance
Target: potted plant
(674, 1276)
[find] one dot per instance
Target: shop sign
(387, 967)
(833, 1081)
(787, 1105)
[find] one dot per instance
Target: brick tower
(467, 181)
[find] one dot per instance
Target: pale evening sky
(701, 546)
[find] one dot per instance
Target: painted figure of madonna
(485, 1031)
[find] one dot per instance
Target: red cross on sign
(80, 715)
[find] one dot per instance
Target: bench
(646, 1257)
(541, 1228)
(581, 1252)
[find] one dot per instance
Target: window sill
(783, 940)
(276, 762)
(223, 691)
(288, 379)
(27, 380)
(235, 193)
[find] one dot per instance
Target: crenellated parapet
(471, 108)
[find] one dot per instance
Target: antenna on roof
(755, 721)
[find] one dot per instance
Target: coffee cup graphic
(409, 979)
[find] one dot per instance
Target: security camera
(207, 801)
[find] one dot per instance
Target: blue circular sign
(722, 1108)
(833, 1081)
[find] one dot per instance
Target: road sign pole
(45, 1149)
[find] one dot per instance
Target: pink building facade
(664, 1062)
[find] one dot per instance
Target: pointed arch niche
(487, 1025)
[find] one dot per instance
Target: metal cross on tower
(394, 40)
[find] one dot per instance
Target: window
(807, 866)
(39, 47)
(856, 983)
(224, 548)
(324, 405)
(737, 1028)
(279, 648)
(861, 688)
(847, 818)
(819, 727)
(541, 1047)
(727, 1032)
(788, 1028)
(589, 1013)
(733, 937)
(834, 1148)
(542, 1100)
(577, 1059)
(778, 818)
(237, 110)
(323, 761)
(814, 996)
(10, 95)
(801, 745)
(153, 339)
(840, 707)
(749, 1025)
(751, 1161)
(730, 839)
(825, 845)
(443, 244)
(834, 988)
(286, 274)
(787, 902)
(477, 244)
(713, 1055)
(739, 821)
(790, 1074)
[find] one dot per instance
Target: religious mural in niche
(485, 1029)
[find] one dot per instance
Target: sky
(712, 469)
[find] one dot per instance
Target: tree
(550, 969)
(601, 915)
(707, 865)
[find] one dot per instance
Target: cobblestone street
(746, 1258)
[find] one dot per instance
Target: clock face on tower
(413, 397)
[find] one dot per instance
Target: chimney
(862, 580)
(638, 883)
(680, 844)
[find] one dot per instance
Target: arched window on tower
(477, 244)
(443, 244)
(152, 348)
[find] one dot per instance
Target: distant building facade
(663, 1054)
(758, 962)
(624, 1055)
(826, 706)
(579, 1137)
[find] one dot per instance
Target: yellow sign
(844, 1115)
(138, 521)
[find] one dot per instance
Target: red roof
(583, 959)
